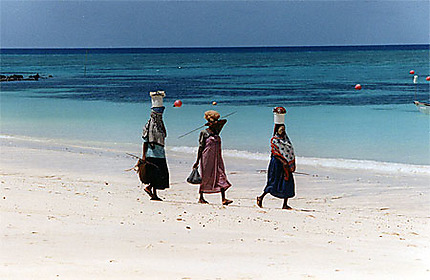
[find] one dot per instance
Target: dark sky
(68, 24)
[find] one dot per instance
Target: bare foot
(156, 198)
(259, 202)
(149, 192)
(202, 201)
(226, 201)
(287, 207)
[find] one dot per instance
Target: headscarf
(282, 148)
(154, 129)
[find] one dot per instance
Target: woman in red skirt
(214, 179)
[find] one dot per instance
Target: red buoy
(412, 72)
(178, 103)
(214, 103)
(428, 78)
(357, 86)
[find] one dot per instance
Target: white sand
(73, 213)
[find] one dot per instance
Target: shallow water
(326, 117)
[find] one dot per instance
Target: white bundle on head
(278, 118)
(279, 115)
(157, 98)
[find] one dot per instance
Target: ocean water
(100, 97)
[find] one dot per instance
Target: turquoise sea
(99, 97)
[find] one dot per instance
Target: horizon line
(216, 47)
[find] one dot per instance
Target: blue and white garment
(154, 150)
(154, 133)
(154, 129)
(282, 148)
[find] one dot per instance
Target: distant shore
(19, 77)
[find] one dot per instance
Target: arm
(222, 122)
(217, 127)
(293, 168)
(144, 149)
(202, 143)
(199, 156)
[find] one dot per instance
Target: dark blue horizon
(213, 49)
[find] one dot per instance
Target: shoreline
(338, 163)
(77, 214)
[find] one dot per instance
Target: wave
(341, 163)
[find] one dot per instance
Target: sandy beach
(70, 212)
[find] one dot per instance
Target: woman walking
(214, 179)
(280, 181)
(154, 135)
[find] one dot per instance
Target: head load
(157, 98)
(279, 115)
(211, 116)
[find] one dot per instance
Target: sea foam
(351, 164)
(340, 163)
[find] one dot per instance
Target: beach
(73, 212)
(333, 91)
(69, 209)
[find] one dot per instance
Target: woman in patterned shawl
(280, 181)
(154, 135)
(214, 179)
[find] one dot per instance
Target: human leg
(224, 200)
(155, 196)
(285, 205)
(148, 190)
(260, 199)
(202, 199)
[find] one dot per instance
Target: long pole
(232, 113)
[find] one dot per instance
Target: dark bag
(194, 177)
(142, 171)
